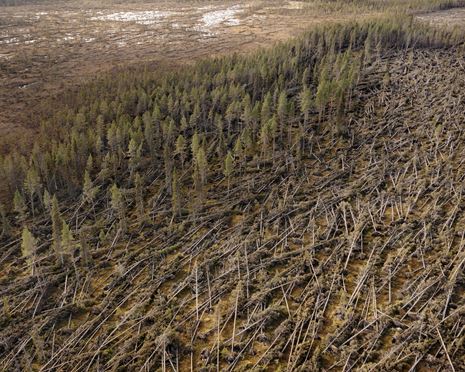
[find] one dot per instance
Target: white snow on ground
(140, 17)
(10, 40)
(216, 18)
(295, 5)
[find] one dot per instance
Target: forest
(298, 207)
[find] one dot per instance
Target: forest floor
(45, 49)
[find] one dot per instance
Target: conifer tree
(201, 160)
(230, 115)
(102, 237)
(322, 96)
(89, 163)
(228, 168)
(28, 249)
(247, 142)
(168, 162)
(67, 242)
(86, 257)
(32, 186)
(149, 132)
(119, 207)
(184, 124)
(306, 77)
(138, 188)
(105, 170)
(98, 146)
(88, 190)
(56, 230)
(19, 206)
(47, 201)
(265, 113)
(266, 139)
(195, 144)
(238, 151)
(273, 124)
(306, 103)
(176, 195)
(181, 148)
(134, 153)
(246, 116)
(282, 112)
(195, 117)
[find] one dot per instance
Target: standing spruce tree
(228, 168)
(28, 249)
(86, 257)
(32, 186)
(265, 113)
(202, 164)
(181, 149)
(19, 206)
(56, 231)
(47, 201)
(88, 190)
(322, 95)
(134, 154)
(119, 207)
(139, 196)
(305, 103)
(5, 231)
(176, 195)
(282, 113)
(195, 144)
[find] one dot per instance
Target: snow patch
(10, 40)
(213, 19)
(294, 5)
(217, 17)
(140, 17)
